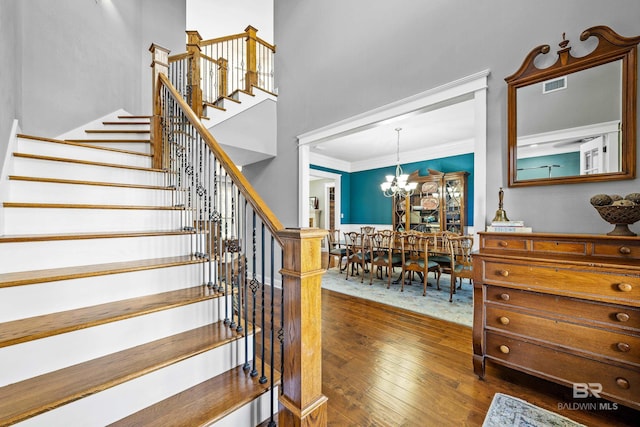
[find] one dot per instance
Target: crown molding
(456, 88)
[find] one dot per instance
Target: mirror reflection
(574, 121)
(570, 125)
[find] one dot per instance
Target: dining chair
(440, 250)
(383, 255)
(416, 259)
(461, 263)
(357, 253)
(367, 230)
(336, 248)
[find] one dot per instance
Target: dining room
(423, 272)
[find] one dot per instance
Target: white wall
(217, 18)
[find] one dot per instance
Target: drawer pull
(505, 297)
(505, 321)
(623, 347)
(625, 287)
(505, 273)
(623, 383)
(624, 250)
(504, 349)
(503, 243)
(622, 317)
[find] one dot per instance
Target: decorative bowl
(621, 217)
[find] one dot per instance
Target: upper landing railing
(271, 276)
(213, 69)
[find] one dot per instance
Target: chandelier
(397, 185)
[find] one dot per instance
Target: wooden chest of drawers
(562, 307)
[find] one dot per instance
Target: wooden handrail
(267, 216)
(266, 44)
(179, 57)
(236, 36)
(222, 39)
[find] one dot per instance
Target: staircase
(106, 317)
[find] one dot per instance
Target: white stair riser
(20, 302)
(50, 192)
(59, 220)
(117, 402)
(115, 136)
(78, 171)
(45, 148)
(253, 413)
(137, 147)
(67, 253)
(44, 355)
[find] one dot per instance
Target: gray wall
(9, 70)
(337, 59)
(72, 61)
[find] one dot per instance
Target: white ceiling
(424, 133)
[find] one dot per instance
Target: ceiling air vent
(554, 84)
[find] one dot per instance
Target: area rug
(435, 303)
(509, 411)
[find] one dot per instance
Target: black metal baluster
(216, 224)
(263, 378)
(226, 277)
(210, 219)
(254, 287)
(245, 282)
(240, 260)
(281, 330)
(272, 422)
(232, 247)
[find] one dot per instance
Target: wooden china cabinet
(437, 204)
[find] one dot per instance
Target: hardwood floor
(383, 366)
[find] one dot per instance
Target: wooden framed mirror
(575, 120)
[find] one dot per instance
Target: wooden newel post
(223, 66)
(251, 76)
(193, 49)
(301, 401)
(159, 64)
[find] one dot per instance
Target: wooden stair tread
(202, 404)
(134, 117)
(97, 183)
(87, 206)
(126, 123)
(7, 238)
(36, 395)
(90, 141)
(84, 162)
(65, 273)
(117, 131)
(79, 143)
(213, 105)
(29, 329)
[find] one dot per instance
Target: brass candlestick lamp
(501, 215)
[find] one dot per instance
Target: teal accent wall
(534, 167)
(362, 200)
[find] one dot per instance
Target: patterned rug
(508, 411)
(435, 303)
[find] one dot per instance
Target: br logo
(583, 390)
